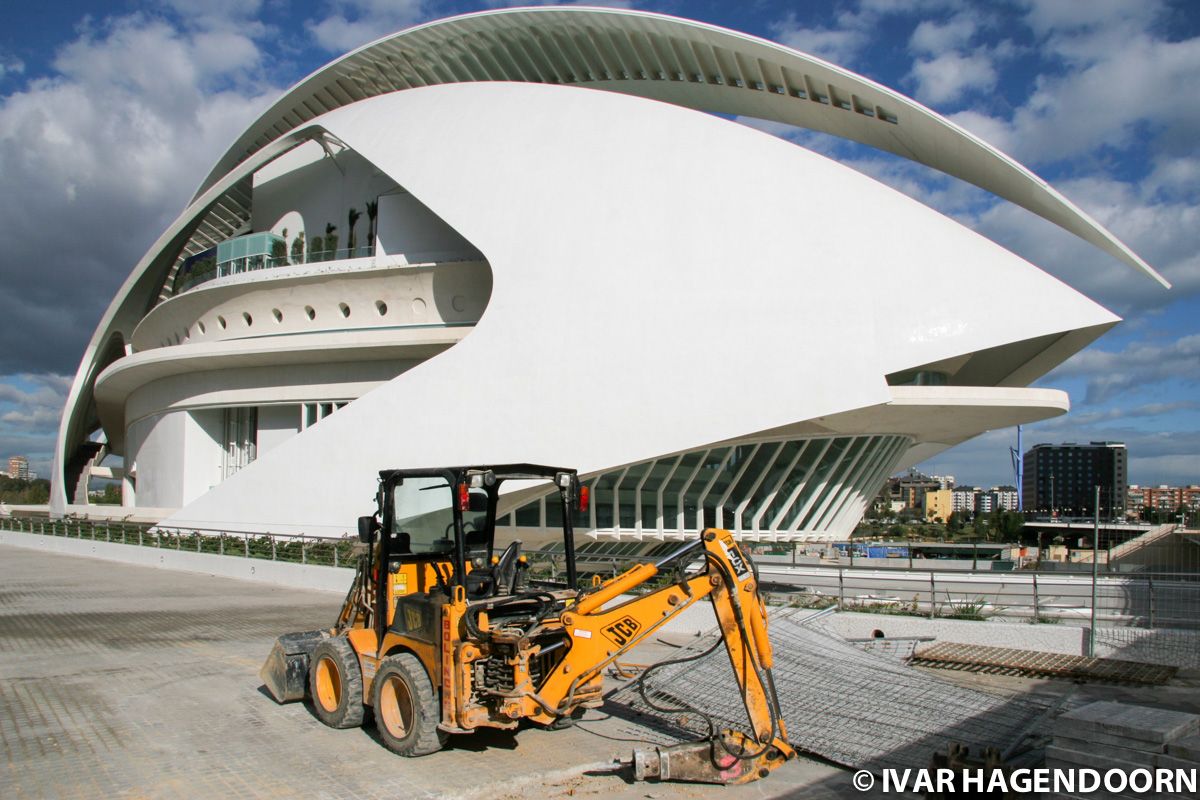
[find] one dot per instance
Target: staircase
(79, 470)
(1134, 545)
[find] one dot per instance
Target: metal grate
(839, 702)
(1009, 661)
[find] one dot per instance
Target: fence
(292, 548)
(1147, 600)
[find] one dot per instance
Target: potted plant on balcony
(279, 251)
(331, 241)
(298, 248)
(372, 213)
(351, 239)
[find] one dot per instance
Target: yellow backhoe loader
(442, 635)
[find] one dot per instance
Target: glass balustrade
(254, 252)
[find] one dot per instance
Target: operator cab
(445, 520)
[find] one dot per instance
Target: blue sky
(111, 113)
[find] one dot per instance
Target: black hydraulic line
(569, 537)
(680, 552)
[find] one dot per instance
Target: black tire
(335, 683)
(406, 707)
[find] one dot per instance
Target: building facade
(18, 467)
(1162, 499)
(1060, 480)
(535, 235)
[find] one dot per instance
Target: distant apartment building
(1005, 497)
(962, 499)
(18, 467)
(1060, 479)
(1162, 498)
(939, 504)
(910, 488)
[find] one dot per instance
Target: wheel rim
(396, 706)
(329, 684)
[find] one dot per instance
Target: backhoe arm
(600, 636)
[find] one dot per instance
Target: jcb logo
(622, 630)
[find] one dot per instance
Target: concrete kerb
(278, 573)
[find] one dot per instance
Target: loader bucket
(285, 672)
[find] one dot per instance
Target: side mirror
(366, 529)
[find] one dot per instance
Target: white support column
(800, 487)
(741, 507)
(708, 487)
(720, 520)
(783, 476)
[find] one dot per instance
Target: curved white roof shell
(631, 222)
(679, 61)
(659, 285)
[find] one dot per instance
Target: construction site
(140, 679)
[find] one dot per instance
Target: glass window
(772, 479)
(554, 509)
(529, 515)
(629, 494)
(649, 493)
(602, 498)
(708, 470)
(685, 470)
(759, 463)
(423, 517)
(721, 483)
(806, 503)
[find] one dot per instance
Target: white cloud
(30, 407)
(947, 77)
(97, 159)
(935, 38)
(1105, 18)
(593, 3)
(839, 46)
(1140, 365)
(352, 23)
(11, 66)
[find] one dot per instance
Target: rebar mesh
(839, 702)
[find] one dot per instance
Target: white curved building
(560, 257)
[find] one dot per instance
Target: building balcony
(256, 251)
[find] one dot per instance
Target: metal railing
(292, 548)
(238, 266)
(1149, 600)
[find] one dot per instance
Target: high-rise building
(1061, 479)
(18, 467)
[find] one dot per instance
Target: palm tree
(331, 241)
(372, 213)
(352, 220)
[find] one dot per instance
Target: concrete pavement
(127, 681)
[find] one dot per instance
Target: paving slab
(1187, 748)
(133, 682)
(1141, 723)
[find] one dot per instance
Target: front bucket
(285, 672)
